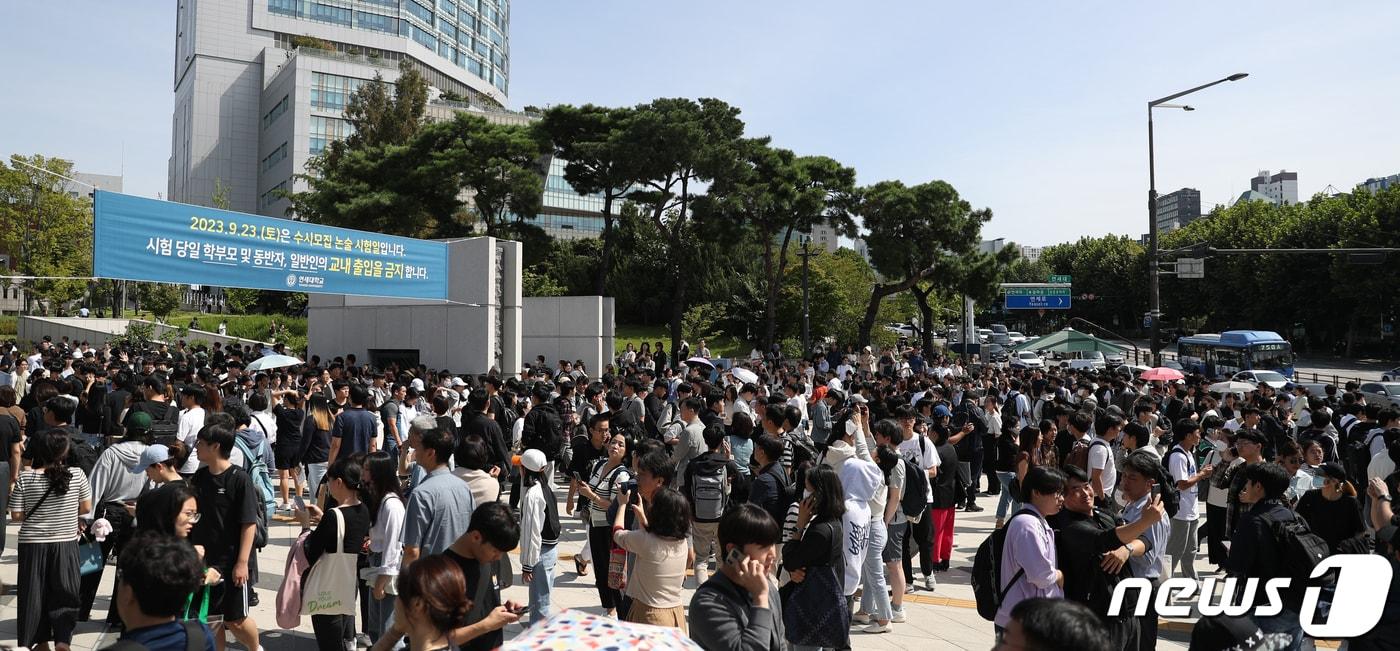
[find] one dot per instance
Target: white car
(1027, 359)
(1015, 337)
(1382, 393)
(1113, 359)
(1089, 360)
(1393, 375)
(1271, 378)
(901, 329)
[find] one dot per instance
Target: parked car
(999, 328)
(1271, 378)
(1016, 337)
(1027, 359)
(985, 334)
(902, 329)
(1393, 375)
(995, 352)
(1383, 393)
(1113, 360)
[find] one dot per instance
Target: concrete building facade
(1177, 209)
(1281, 188)
(1380, 183)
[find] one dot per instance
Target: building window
(276, 112)
(278, 155)
(270, 197)
(284, 7)
(326, 130)
(423, 13)
(376, 22)
(447, 28)
(332, 92)
(424, 38)
(330, 14)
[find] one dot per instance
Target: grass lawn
(9, 326)
(725, 346)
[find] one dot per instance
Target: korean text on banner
(161, 241)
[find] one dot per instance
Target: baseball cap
(152, 455)
(138, 422)
(458, 382)
(942, 410)
(533, 460)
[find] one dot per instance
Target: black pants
(1215, 534)
(600, 544)
(1147, 634)
(334, 632)
(4, 500)
(48, 592)
(115, 513)
(922, 533)
(975, 481)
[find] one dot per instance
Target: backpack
(256, 467)
(1299, 550)
(1011, 412)
(1078, 456)
(81, 454)
(708, 496)
(1358, 450)
(801, 449)
(167, 425)
(543, 431)
(913, 499)
(195, 639)
(987, 586)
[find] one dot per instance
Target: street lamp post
(1154, 253)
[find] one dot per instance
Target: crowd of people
(798, 492)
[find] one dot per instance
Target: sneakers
(897, 615)
(861, 618)
(973, 508)
(930, 583)
(876, 628)
(909, 588)
(362, 641)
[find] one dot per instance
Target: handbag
(330, 587)
(617, 568)
(815, 611)
(90, 558)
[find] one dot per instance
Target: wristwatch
(1384, 498)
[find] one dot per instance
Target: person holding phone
(816, 549)
(662, 554)
(739, 607)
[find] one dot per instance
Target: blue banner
(160, 241)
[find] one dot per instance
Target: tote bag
(814, 611)
(330, 586)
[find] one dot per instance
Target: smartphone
(1156, 490)
(734, 557)
(518, 609)
(299, 503)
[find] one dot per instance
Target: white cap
(533, 460)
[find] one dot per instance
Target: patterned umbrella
(576, 630)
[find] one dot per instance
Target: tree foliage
(161, 299)
(46, 231)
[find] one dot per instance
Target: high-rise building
(260, 84)
(1281, 188)
(1380, 183)
(1177, 209)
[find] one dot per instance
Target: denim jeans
(314, 473)
(874, 600)
(1007, 501)
(381, 611)
(542, 583)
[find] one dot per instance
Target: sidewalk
(943, 619)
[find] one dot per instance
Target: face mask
(1220, 445)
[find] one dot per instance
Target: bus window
(1229, 361)
(1272, 357)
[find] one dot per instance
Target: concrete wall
(571, 328)
(476, 330)
(98, 331)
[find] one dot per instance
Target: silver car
(1382, 393)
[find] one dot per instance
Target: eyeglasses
(192, 516)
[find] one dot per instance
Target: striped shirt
(605, 484)
(56, 520)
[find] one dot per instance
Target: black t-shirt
(322, 539)
(484, 599)
(226, 502)
(289, 421)
(9, 436)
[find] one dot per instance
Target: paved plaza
(943, 619)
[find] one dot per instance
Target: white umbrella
(1232, 386)
(272, 361)
(701, 361)
(744, 375)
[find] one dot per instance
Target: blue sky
(1035, 110)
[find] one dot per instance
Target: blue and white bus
(1227, 353)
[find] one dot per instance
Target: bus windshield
(1271, 356)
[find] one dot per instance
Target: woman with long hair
(47, 501)
(290, 418)
(432, 601)
(814, 554)
(606, 478)
(1030, 453)
(1332, 510)
(741, 440)
(662, 553)
(316, 441)
(386, 509)
(343, 481)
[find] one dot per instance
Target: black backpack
(1011, 412)
(195, 639)
(1170, 494)
(543, 431)
(81, 454)
(167, 424)
(1299, 550)
(913, 499)
(987, 585)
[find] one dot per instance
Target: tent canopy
(1070, 340)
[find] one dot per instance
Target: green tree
(777, 194)
(48, 231)
(161, 299)
(381, 116)
(915, 234)
(684, 144)
(499, 165)
(240, 300)
(593, 141)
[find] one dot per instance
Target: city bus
(1227, 353)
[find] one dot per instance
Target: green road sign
(1037, 291)
(1059, 279)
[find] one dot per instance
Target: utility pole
(806, 254)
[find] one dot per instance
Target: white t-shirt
(1380, 467)
(1101, 458)
(925, 457)
(1182, 465)
(191, 421)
